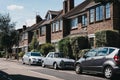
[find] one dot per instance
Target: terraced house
(81, 20)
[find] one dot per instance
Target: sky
(23, 12)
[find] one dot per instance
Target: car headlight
(34, 59)
(61, 63)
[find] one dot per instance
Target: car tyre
(108, 72)
(43, 64)
(23, 61)
(78, 69)
(55, 66)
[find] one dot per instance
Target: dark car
(105, 60)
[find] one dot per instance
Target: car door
(25, 57)
(99, 59)
(47, 59)
(88, 62)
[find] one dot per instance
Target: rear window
(119, 53)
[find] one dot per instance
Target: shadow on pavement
(5, 76)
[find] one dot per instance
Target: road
(14, 70)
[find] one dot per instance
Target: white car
(32, 58)
(56, 60)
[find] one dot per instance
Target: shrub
(46, 48)
(21, 54)
(107, 38)
(65, 47)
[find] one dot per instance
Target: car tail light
(117, 59)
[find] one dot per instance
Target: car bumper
(36, 62)
(116, 70)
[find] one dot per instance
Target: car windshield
(35, 54)
(58, 55)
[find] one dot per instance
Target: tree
(34, 43)
(7, 31)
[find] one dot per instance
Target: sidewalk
(13, 60)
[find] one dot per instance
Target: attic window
(49, 16)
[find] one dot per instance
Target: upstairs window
(99, 13)
(42, 30)
(74, 23)
(26, 35)
(61, 24)
(57, 26)
(84, 20)
(92, 14)
(107, 9)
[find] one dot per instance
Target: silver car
(56, 60)
(32, 58)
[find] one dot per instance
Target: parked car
(32, 58)
(56, 60)
(105, 60)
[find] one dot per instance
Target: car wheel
(78, 69)
(108, 72)
(43, 64)
(55, 66)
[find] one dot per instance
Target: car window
(102, 52)
(35, 54)
(50, 55)
(119, 53)
(91, 53)
(111, 50)
(58, 55)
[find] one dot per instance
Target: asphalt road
(14, 70)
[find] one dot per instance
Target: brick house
(82, 20)
(89, 17)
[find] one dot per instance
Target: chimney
(38, 19)
(68, 5)
(24, 27)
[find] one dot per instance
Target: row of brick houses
(81, 20)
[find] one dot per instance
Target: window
(61, 24)
(42, 31)
(92, 14)
(49, 16)
(26, 35)
(91, 53)
(57, 26)
(102, 52)
(99, 13)
(74, 23)
(84, 20)
(107, 9)
(53, 27)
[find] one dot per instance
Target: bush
(107, 38)
(65, 47)
(82, 52)
(46, 48)
(21, 54)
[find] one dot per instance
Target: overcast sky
(23, 11)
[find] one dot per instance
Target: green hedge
(107, 38)
(70, 46)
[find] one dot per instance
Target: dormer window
(74, 23)
(49, 16)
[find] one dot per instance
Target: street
(15, 70)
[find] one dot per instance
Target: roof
(60, 15)
(80, 8)
(52, 12)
